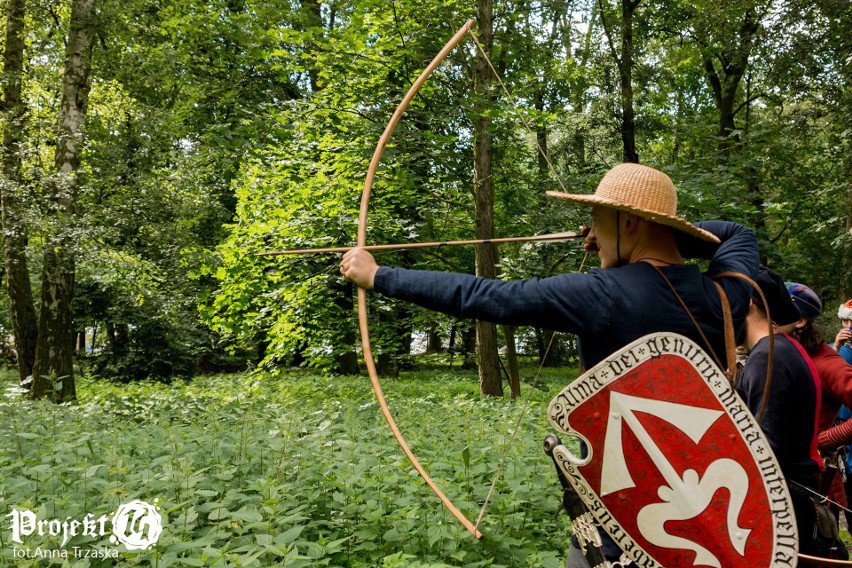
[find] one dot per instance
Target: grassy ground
(299, 470)
(296, 470)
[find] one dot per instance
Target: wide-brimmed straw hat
(643, 191)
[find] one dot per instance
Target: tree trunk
(21, 303)
(724, 88)
(725, 81)
(847, 291)
(628, 122)
(512, 357)
(434, 342)
(483, 188)
(54, 350)
(547, 345)
(624, 61)
(313, 21)
(395, 352)
(578, 93)
(121, 340)
(347, 362)
(469, 347)
(80, 343)
(541, 142)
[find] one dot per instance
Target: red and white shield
(678, 471)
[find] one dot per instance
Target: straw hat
(643, 191)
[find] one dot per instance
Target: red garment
(836, 437)
(837, 492)
(836, 378)
(817, 378)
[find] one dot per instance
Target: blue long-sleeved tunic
(605, 308)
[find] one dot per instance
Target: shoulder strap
(768, 382)
(726, 308)
(730, 337)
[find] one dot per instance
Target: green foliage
(300, 471)
(224, 128)
(304, 191)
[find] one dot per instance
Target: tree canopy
(216, 130)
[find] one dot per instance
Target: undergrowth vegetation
(300, 470)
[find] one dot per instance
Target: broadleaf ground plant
(298, 471)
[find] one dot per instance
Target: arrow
(685, 496)
(405, 246)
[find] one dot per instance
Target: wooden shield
(677, 470)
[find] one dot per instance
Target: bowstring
(511, 442)
(820, 495)
(502, 465)
(515, 106)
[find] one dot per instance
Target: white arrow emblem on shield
(684, 497)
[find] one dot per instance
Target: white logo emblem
(137, 525)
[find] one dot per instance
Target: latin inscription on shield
(677, 469)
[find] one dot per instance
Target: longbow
(363, 320)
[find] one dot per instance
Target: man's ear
(801, 323)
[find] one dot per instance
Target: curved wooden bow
(363, 321)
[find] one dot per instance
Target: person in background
(835, 377)
(843, 341)
(843, 418)
(841, 435)
(789, 417)
(834, 373)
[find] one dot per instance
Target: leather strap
(698, 327)
(730, 337)
(768, 382)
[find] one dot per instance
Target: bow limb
(363, 320)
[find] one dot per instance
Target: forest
(153, 150)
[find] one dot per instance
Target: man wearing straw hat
(642, 287)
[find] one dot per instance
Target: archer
(643, 285)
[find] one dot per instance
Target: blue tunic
(605, 308)
(789, 422)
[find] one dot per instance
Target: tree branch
(608, 35)
(747, 101)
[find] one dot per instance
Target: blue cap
(805, 299)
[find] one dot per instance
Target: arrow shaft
(647, 442)
(406, 246)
